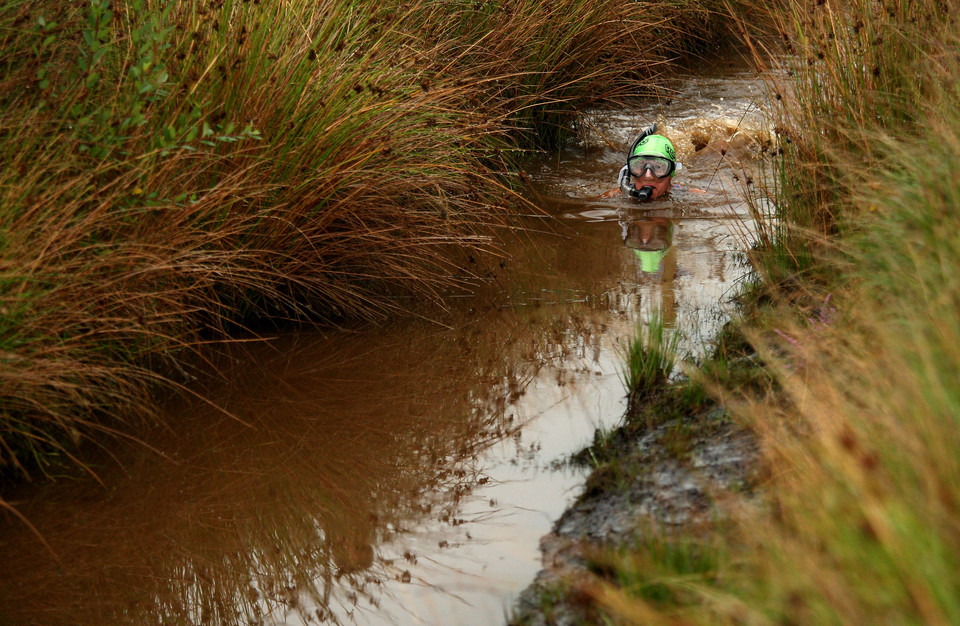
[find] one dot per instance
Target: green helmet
(655, 145)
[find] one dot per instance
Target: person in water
(651, 163)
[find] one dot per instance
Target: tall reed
(859, 516)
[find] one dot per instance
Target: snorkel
(644, 192)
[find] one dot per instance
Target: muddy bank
(654, 482)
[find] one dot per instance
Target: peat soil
(652, 482)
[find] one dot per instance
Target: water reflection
(650, 239)
(290, 511)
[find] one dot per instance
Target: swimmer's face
(660, 185)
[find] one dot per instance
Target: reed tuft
(857, 521)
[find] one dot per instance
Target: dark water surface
(403, 474)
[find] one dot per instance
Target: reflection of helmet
(650, 259)
(652, 234)
(655, 145)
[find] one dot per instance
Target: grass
(655, 399)
(866, 358)
(856, 335)
(650, 358)
(660, 570)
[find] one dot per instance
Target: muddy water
(405, 473)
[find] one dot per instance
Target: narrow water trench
(405, 473)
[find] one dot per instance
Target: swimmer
(651, 163)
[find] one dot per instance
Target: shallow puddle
(405, 473)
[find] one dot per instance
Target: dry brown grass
(856, 406)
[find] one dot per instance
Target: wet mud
(659, 494)
(405, 473)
